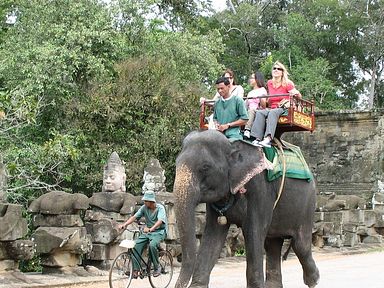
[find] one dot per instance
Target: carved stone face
(114, 181)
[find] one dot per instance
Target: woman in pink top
(254, 103)
(264, 126)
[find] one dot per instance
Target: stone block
(174, 249)
(57, 220)
(338, 228)
(200, 224)
(370, 218)
(171, 214)
(319, 216)
(328, 228)
(318, 241)
(335, 217)
(373, 239)
(59, 202)
(7, 265)
(103, 231)
(350, 227)
(380, 222)
(362, 230)
(173, 232)
(92, 215)
(201, 208)
(61, 259)
(350, 239)
(379, 208)
(99, 252)
(354, 216)
(13, 225)
(119, 202)
(105, 252)
(17, 250)
(114, 250)
(334, 241)
(73, 239)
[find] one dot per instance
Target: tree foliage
(80, 79)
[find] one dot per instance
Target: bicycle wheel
(165, 277)
(120, 273)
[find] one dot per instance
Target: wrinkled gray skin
(207, 168)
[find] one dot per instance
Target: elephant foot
(273, 284)
(312, 280)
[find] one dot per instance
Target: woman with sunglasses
(264, 127)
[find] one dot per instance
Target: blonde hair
(284, 76)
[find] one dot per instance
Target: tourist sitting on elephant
(234, 89)
(154, 232)
(254, 103)
(230, 111)
(264, 127)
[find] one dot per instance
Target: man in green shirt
(154, 231)
(230, 111)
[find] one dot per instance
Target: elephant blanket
(296, 166)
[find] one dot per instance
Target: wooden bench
(300, 115)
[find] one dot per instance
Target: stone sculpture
(61, 237)
(114, 175)
(110, 206)
(154, 177)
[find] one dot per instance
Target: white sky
(219, 5)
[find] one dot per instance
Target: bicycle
(121, 271)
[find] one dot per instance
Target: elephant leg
(209, 251)
(273, 262)
(302, 245)
(254, 253)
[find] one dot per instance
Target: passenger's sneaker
(256, 143)
(157, 272)
(265, 143)
(247, 134)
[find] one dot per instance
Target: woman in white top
(255, 103)
(235, 90)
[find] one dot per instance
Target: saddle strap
(280, 151)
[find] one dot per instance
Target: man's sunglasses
(278, 68)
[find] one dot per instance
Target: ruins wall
(345, 152)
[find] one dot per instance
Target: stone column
(13, 227)
(109, 208)
(61, 238)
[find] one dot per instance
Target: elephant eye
(205, 167)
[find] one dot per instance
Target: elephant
(230, 177)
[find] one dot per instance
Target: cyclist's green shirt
(152, 217)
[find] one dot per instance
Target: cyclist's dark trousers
(154, 239)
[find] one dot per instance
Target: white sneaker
(247, 134)
(256, 143)
(265, 143)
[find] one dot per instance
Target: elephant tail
(285, 256)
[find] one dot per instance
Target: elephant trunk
(185, 213)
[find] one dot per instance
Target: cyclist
(154, 231)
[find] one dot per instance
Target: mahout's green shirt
(230, 110)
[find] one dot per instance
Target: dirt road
(346, 271)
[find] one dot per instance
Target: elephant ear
(245, 162)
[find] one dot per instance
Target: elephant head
(208, 169)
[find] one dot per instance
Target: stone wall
(345, 152)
